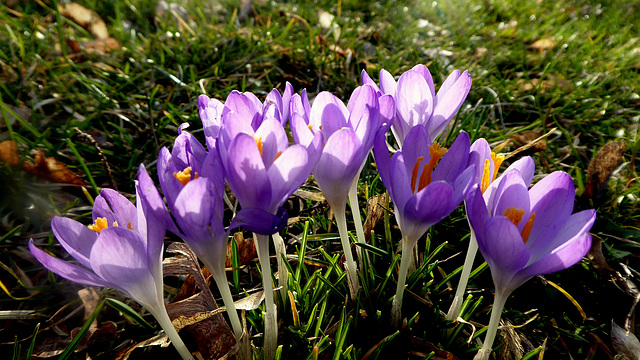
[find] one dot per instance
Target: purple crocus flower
(348, 133)
(122, 250)
(422, 193)
(487, 164)
(418, 103)
(263, 171)
(523, 233)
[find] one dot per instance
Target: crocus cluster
(520, 232)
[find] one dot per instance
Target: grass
(119, 107)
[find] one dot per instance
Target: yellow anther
(310, 127)
(414, 173)
(486, 173)
(259, 143)
(526, 230)
(497, 161)
(436, 152)
(129, 226)
(513, 214)
(100, 224)
(278, 155)
(184, 176)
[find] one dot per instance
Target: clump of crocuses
(521, 232)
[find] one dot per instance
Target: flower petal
(124, 211)
(287, 173)
(76, 238)
(300, 105)
(273, 138)
(504, 250)
(300, 130)
(119, 257)
(339, 164)
(512, 193)
(388, 84)
(414, 102)
(426, 74)
(527, 168)
(366, 80)
(419, 141)
(67, 270)
(260, 221)
(454, 161)
(246, 174)
(448, 103)
(552, 201)
(329, 114)
(426, 208)
(364, 115)
(197, 215)
(210, 111)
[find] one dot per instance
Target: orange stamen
(526, 230)
(129, 225)
(310, 127)
(436, 152)
(100, 224)
(259, 143)
(497, 161)
(184, 176)
(484, 183)
(278, 155)
(513, 214)
(414, 173)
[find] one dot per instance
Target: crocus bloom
(348, 133)
(418, 103)
(263, 171)
(122, 250)
(487, 164)
(523, 233)
(426, 183)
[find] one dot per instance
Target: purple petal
(426, 74)
(199, 215)
(366, 80)
(76, 238)
(512, 193)
(232, 125)
(210, 111)
(171, 187)
(67, 270)
(454, 161)
(426, 208)
(119, 257)
(483, 151)
(260, 221)
(527, 168)
(300, 130)
(414, 102)
(339, 164)
(246, 105)
(463, 184)
(387, 111)
(388, 84)
(477, 211)
(382, 158)
(504, 250)
(300, 105)
(273, 138)
(552, 201)
(123, 210)
(151, 201)
(449, 103)
(417, 145)
(286, 101)
(287, 173)
(246, 174)
(574, 243)
(364, 114)
(400, 188)
(329, 113)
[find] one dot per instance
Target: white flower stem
(357, 220)
(283, 272)
(270, 318)
(396, 306)
(160, 313)
(352, 269)
(220, 277)
(492, 329)
(454, 310)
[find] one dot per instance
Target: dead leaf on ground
(526, 137)
(211, 333)
(542, 44)
(625, 342)
(51, 169)
(376, 206)
(86, 18)
(161, 340)
(551, 82)
(9, 153)
(601, 168)
(246, 250)
(101, 46)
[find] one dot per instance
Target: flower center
(184, 176)
(515, 215)
(101, 224)
(435, 152)
(486, 173)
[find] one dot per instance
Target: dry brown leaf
(210, 330)
(246, 250)
(600, 169)
(525, 137)
(543, 44)
(376, 206)
(101, 46)
(51, 169)
(625, 342)
(551, 82)
(86, 18)
(9, 153)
